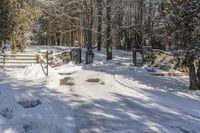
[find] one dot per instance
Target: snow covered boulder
(165, 65)
(42, 55)
(175, 73)
(40, 58)
(163, 60)
(56, 61)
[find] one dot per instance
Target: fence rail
(18, 60)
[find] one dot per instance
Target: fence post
(80, 55)
(47, 62)
(4, 60)
(134, 57)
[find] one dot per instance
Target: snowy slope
(124, 99)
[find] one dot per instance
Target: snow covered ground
(106, 96)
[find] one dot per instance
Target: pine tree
(16, 18)
(23, 15)
(5, 28)
(183, 20)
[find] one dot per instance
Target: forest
(99, 66)
(112, 24)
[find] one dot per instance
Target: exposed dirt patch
(95, 80)
(30, 103)
(67, 81)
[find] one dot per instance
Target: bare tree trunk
(141, 7)
(150, 23)
(52, 39)
(58, 38)
(99, 28)
(82, 38)
(88, 24)
(14, 45)
(130, 45)
(108, 30)
(166, 40)
(46, 39)
(62, 39)
(193, 76)
(71, 35)
(198, 75)
(120, 31)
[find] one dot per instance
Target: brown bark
(88, 24)
(193, 76)
(14, 45)
(198, 76)
(108, 31)
(99, 28)
(166, 40)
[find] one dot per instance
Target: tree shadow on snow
(131, 115)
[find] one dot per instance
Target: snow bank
(34, 71)
(30, 126)
(159, 72)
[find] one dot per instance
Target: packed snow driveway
(127, 104)
(112, 97)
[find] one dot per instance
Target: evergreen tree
(16, 18)
(23, 14)
(5, 27)
(183, 20)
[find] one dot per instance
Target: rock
(164, 65)
(64, 56)
(56, 61)
(175, 73)
(40, 58)
(30, 103)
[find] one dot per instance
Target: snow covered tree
(5, 28)
(183, 20)
(16, 19)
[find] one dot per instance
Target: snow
(34, 71)
(130, 100)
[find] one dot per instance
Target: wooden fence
(18, 60)
(23, 60)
